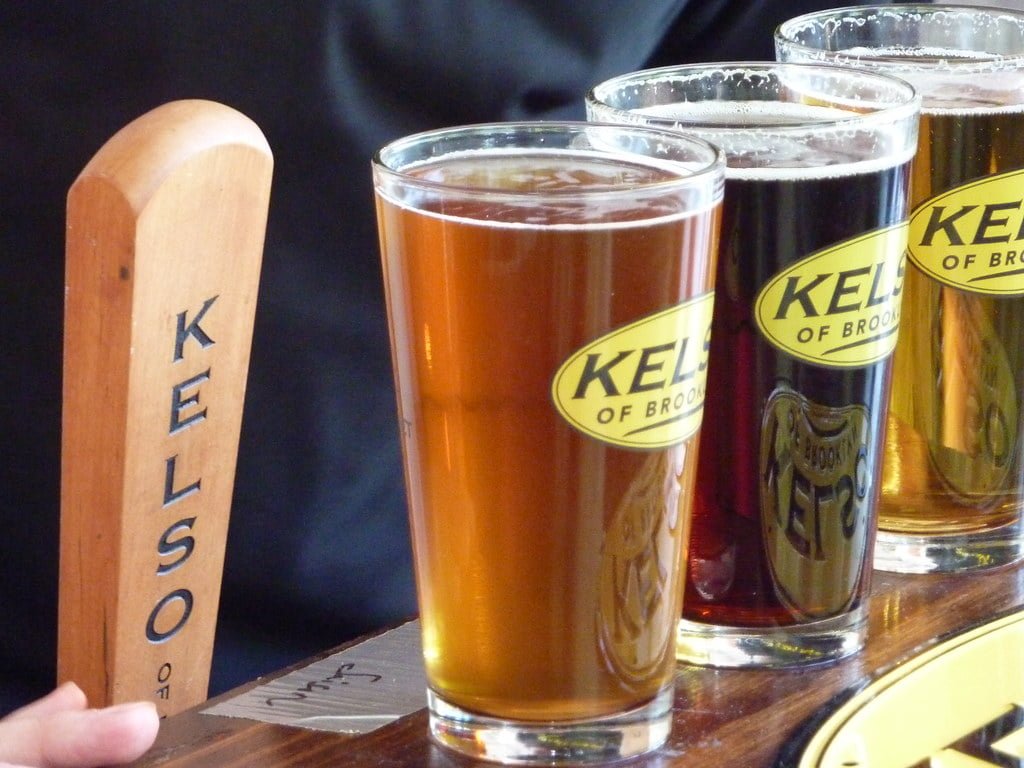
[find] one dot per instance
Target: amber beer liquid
(548, 554)
(522, 614)
(954, 460)
(807, 310)
(953, 464)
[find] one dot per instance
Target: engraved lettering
(180, 403)
(168, 545)
(155, 635)
(170, 494)
(192, 329)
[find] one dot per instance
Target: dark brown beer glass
(807, 310)
(549, 291)
(954, 458)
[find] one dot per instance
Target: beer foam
(744, 114)
(553, 189)
(923, 54)
(533, 171)
(950, 81)
(772, 140)
(836, 170)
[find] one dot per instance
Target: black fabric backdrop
(318, 548)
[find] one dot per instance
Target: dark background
(318, 549)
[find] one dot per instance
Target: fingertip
(66, 697)
(134, 727)
(111, 736)
(69, 693)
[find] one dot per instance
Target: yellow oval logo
(642, 385)
(972, 237)
(963, 694)
(839, 307)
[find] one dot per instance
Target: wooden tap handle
(165, 230)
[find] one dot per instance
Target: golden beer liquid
(548, 562)
(953, 461)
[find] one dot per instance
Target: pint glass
(954, 459)
(807, 308)
(549, 290)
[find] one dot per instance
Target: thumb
(80, 739)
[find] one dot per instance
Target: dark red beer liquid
(769, 223)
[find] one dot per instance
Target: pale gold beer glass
(954, 460)
(549, 291)
(806, 313)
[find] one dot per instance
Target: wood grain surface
(722, 717)
(165, 231)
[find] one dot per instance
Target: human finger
(80, 739)
(65, 698)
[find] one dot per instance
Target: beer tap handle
(165, 231)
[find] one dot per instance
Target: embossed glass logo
(639, 577)
(815, 481)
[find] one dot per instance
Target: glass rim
(880, 63)
(688, 175)
(886, 111)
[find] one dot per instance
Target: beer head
(552, 173)
(959, 58)
(772, 117)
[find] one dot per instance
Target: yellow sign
(972, 237)
(641, 386)
(839, 307)
(961, 703)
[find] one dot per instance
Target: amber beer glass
(549, 289)
(954, 459)
(807, 309)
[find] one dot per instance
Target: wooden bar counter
(722, 717)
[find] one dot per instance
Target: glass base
(816, 642)
(604, 739)
(906, 553)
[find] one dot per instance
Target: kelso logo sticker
(840, 306)
(972, 237)
(642, 385)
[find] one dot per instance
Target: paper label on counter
(356, 690)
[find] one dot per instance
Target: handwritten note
(354, 691)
